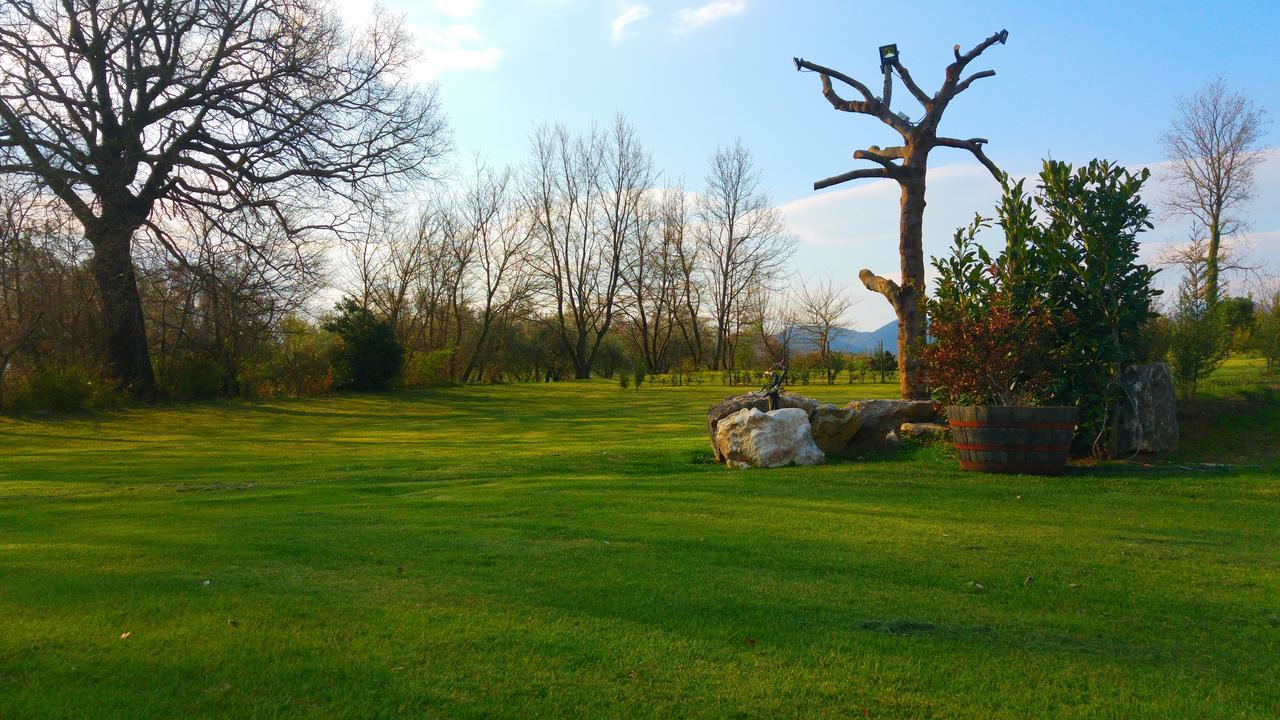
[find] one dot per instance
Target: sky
(1076, 80)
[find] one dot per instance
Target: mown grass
(568, 551)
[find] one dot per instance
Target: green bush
(192, 377)
(298, 365)
(428, 369)
(1200, 339)
(52, 389)
(368, 356)
(1072, 251)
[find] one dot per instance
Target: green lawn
(567, 551)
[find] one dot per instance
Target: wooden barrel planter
(993, 438)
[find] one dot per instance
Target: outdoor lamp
(888, 56)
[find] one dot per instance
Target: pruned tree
(743, 241)
(907, 164)
(1214, 147)
(138, 114)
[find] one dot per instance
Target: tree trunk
(1211, 266)
(128, 358)
(475, 352)
(910, 306)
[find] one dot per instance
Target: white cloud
(690, 19)
(632, 14)
(456, 47)
(457, 8)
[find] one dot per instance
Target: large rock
(833, 427)
(1149, 413)
(880, 421)
(757, 400)
(751, 438)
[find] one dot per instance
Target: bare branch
(868, 106)
(954, 70)
(969, 80)
(886, 287)
(802, 64)
(862, 174)
(974, 145)
(919, 94)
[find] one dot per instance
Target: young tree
(776, 320)
(907, 164)
(1214, 147)
(1200, 339)
(140, 113)
(823, 308)
(1264, 337)
(742, 238)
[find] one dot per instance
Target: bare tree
(584, 198)
(822, 308)
(743, 241)
(500, 241)
(691, 290)
(653, 279)
(20, 309)
(907, 164)
(46, 298)
(1193, 256)
(1214, 147)
(775, 319)
(220, 303)
(135, 113)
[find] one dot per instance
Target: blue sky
(1076, 80)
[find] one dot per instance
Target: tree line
(182, 183)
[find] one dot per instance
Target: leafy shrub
(1264, 336)
(1071, 255)
(638, 376)
(298, 365)
(428, 369)
(624, 380)
(1200, 340)
(192, 377)
(1156, 339)
(59, 389)
(367, 356)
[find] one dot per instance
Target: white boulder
(751, 438)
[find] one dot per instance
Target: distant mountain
(855, 341)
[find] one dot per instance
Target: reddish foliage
(993, 355)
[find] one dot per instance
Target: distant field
(567, 550)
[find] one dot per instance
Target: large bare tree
(141, 113)
(653, 278)
(907, 165)
(743, 241)
(1214, 147)
(584, 196)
